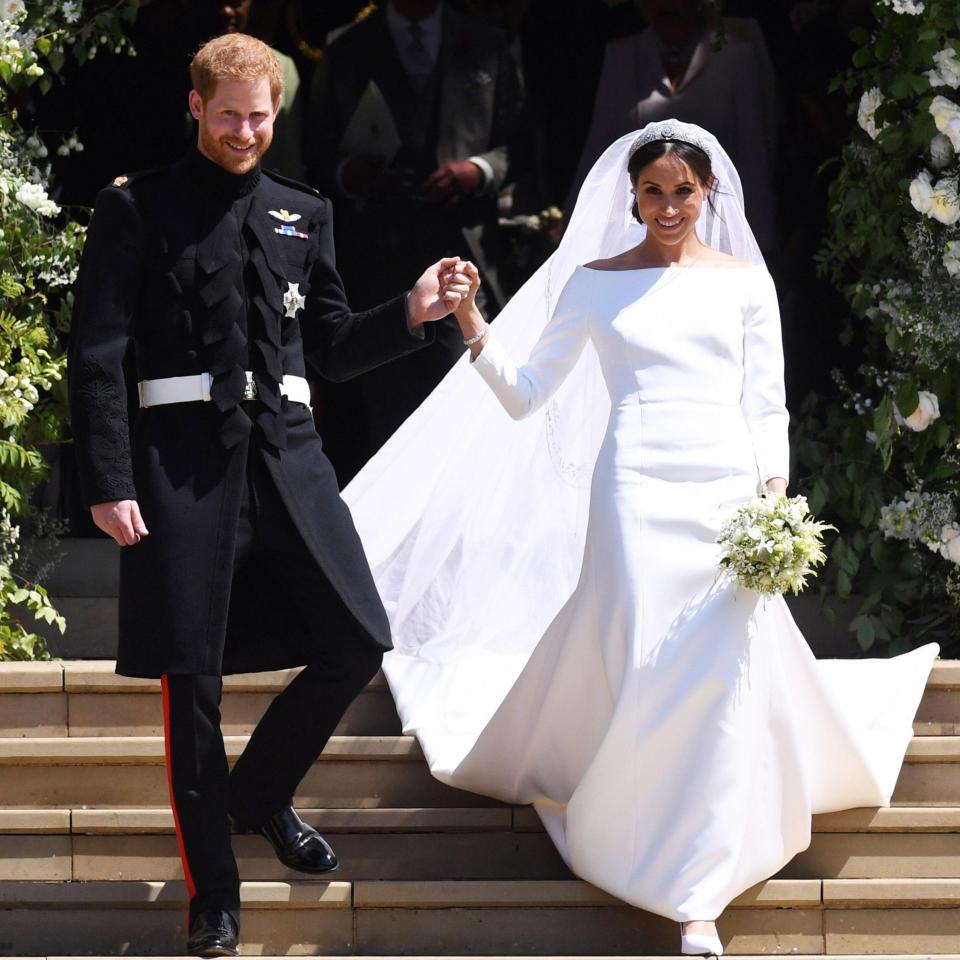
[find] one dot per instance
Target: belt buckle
(250, 388)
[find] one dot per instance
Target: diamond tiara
(670, 131)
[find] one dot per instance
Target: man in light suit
(454, 94)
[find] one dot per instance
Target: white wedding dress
(674, 732)
(561, 635)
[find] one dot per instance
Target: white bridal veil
(473, 523)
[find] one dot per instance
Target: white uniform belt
(156, 393)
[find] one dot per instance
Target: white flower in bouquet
(928, 410)
(951, 258)
(869, 102)
(941, 151)
(946, 117)
(772, 545)
(921, 192)
(947, 73)
(944, 202)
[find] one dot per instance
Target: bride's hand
(463, 280)
(467, 273)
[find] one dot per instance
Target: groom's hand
(435, 294)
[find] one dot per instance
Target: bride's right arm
(523, 390)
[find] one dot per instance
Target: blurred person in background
(693, 66)
(411, 124)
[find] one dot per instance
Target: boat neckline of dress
(706, 266)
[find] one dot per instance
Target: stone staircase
(89, 862)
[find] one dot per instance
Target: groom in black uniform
(210, 284)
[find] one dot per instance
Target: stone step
(352, 772)
(473, 849)
(125, 821)
(65, 699)
(441, 843)
(444, 918)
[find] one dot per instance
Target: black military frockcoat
(187, 270)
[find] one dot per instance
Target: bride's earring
(636, 203)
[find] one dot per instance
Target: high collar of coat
(213, 179)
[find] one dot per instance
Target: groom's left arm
(340, 343)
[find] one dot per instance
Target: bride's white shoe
(700, 944)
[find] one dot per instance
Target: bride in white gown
(562, 636)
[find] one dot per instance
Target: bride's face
(670, 197)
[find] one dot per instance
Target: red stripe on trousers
(191, 888)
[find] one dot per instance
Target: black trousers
(289, 737)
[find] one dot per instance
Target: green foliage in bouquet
(884, 463)
(39, 251)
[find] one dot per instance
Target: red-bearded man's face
(236, 123)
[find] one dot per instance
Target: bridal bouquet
(772, 544)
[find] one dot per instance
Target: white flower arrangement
(869, 103)
(951, 257)
(950, 543)
(928, 410)
(921, 192)
(920, 517)
(939, 201)
(33, 195)
(772, 545)
(941, 151)
(944, 201)
(946, 117)
(947, 72)
(912, 8)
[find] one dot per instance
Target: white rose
(950, 543)
(941, 151)
(928, 410)
(944, 201)
(951, 258)
(921, 192)
(912, 7)
(946, 116)
(947, 73)
(869, 102)
(33, 195)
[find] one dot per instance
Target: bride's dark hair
(695, 158)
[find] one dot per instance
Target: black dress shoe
(213, 933)
(296, 844)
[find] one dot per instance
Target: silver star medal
(293, 299)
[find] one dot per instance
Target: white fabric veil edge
(474, 524)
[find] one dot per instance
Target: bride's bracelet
(470, 341)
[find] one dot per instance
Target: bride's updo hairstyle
(696, 159)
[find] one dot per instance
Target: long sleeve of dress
(523, 390)
(763, 399)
